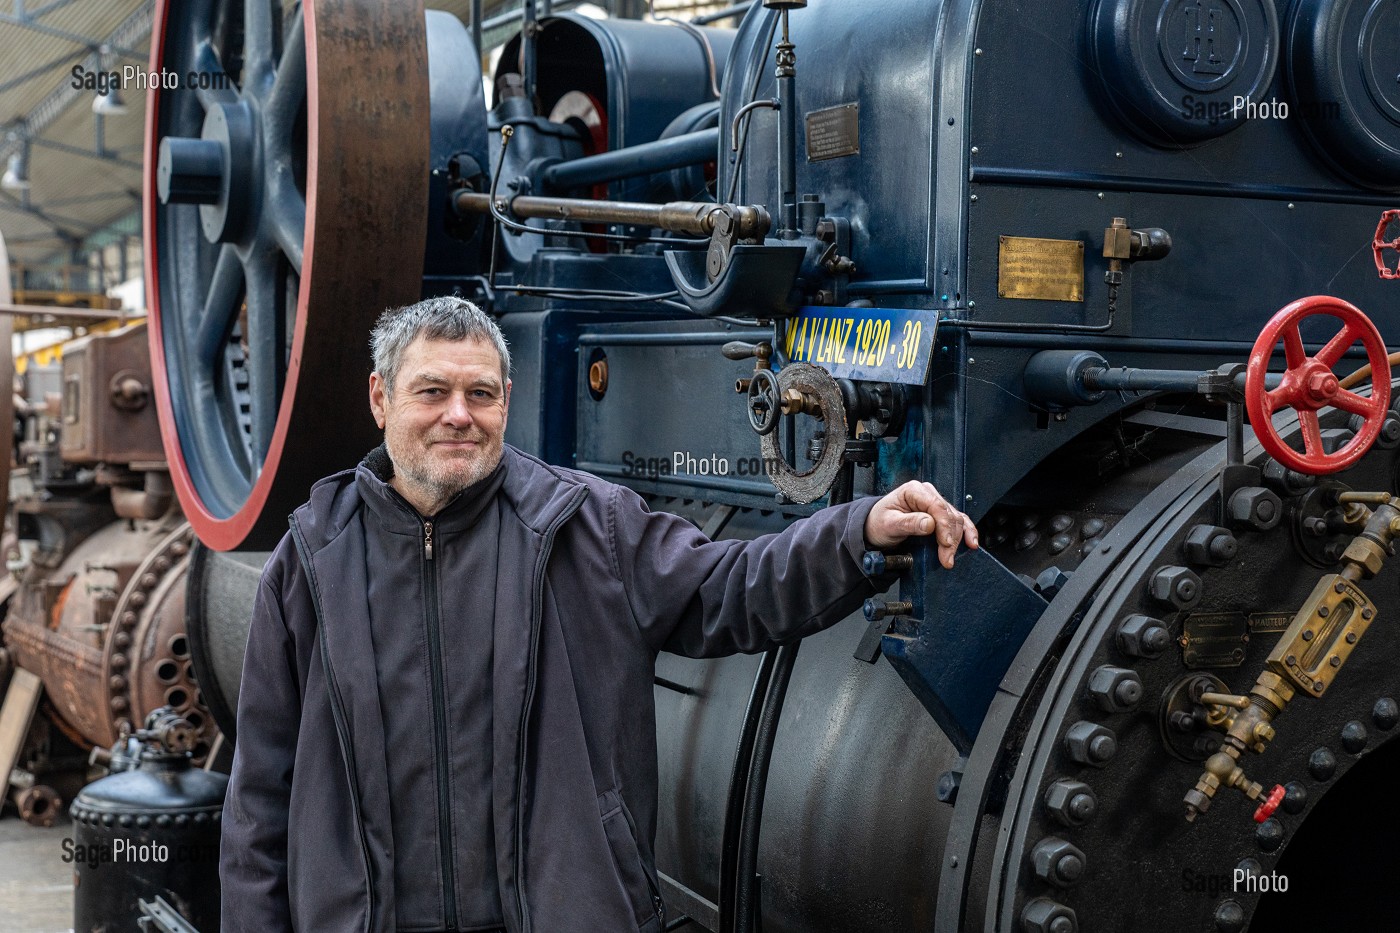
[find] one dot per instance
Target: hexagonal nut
(1071, 803)
(1210, 546)
(1058, 862)
(1050, 581)
(1090, 743)
(1367, 554)
(1142, 636)
(1255, 506)
(1115, 689)
(1176, 586)
(1043, 915)
(1288, 482)
(1389, 436)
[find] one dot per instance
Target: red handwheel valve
(1270, 804)
(1309, 384)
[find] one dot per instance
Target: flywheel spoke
(220, 306)
(266, 339)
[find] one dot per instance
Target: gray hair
(445, 318)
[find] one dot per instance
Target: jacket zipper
(657, 904)
(445, 850)
(347, 748)
(536, 621)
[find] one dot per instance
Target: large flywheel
(285, 208)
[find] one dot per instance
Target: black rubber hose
(746, 902)
(738, 786)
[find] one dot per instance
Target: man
(446, 720)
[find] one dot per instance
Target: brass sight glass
(1309, 654)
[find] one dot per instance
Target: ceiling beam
(30, 23)
(131, 31)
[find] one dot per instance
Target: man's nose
(458, 412)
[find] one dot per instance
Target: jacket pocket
(637, 883)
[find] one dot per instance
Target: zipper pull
(427, 540)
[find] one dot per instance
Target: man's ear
(507, 396)
(376, 398)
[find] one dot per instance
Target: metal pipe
(1159, 380)
(787, 134)
(738, 9)
(476, 25)
(691, 217)
(46, 310)
(664, 154)
(529, 53)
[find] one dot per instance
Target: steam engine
(1113, 274)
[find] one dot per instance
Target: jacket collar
(536, 492)
(374, 482)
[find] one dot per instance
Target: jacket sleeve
(253, 851)
(703, 598)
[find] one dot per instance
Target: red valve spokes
(1309, 384)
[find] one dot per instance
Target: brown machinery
(97, 586)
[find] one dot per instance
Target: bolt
(1322, 386)
(1115, 689)
(1333, 551)
(1255, 506)
(1295, 797)
(1177, 586)
(1385, 714)
(1183, 721)
(1210, 545)
(1072, 803)
(1090, 744)
(1050, 582)
(876, 609)
(1142, 637)
(1322, 764)
(1043, 915)
(1229, 916)
(1315, 526)
(1354, 737)
(1057, 862)
(948, 784)
(875, 563)
(1269, 835)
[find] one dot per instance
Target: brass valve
(1309, 654)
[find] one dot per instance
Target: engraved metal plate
(1214, 639)
(833, 133)
(1048, 270)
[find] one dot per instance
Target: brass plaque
(1214, 639)
(1047, 270)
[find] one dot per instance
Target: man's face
(445, 420)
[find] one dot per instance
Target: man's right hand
(917, 509)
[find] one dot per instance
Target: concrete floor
(36, 886)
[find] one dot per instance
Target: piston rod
(660, 156)
(693, 217)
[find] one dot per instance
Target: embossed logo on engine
(1201, 40)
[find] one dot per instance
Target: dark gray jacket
(590, 586)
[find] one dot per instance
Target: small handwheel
(765, 403)
(1381, 246)
(1309, 384)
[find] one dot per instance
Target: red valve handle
(1270, 804)
(1309, 384)
(1379, 244)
